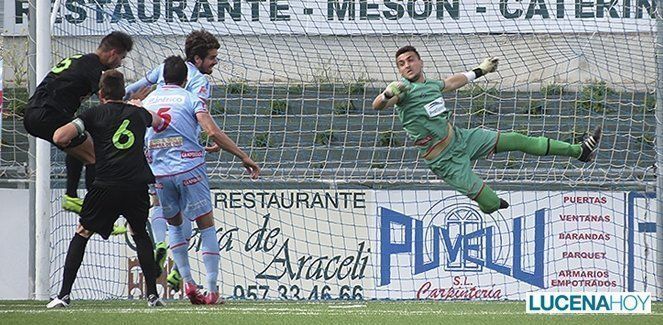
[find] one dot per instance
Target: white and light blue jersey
(196, 82)
(173, 147)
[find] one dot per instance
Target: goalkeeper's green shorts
(454, 165)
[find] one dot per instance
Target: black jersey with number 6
(70, 82)
(118, 132)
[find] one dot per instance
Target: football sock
(72, 263)
(74, 168)
(158, 223)
(144, 250)
(210, 250)
(539, 146)
(179, 247)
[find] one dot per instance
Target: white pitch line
(345, 306)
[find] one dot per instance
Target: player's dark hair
(405, 49)
(199, 42)
(174, 70)
(116, 41)
(111, 85)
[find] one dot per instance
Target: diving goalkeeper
(447, 150)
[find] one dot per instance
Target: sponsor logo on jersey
(165, 99)
(192, 154)
(169, 142)
(193, 180)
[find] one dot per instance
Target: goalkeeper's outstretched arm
(458, 80)
(390, 96)
(381, 101)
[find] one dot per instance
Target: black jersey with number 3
(69, 83)
(118, 132)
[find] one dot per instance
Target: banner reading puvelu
(341, 17)
(438, 245)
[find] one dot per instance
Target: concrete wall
(527, 60)
(14, 247)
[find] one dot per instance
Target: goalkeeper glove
(396, 88)
(487, 66)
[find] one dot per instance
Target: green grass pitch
(276, 312)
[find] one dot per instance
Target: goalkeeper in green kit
(447, 150)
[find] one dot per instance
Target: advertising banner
(341, 17)
(312, 244)
(438, 245)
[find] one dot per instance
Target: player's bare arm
(157, 121)
(141, 93)
(222, 141)
(63, 135)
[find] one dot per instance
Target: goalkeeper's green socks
(539, 146)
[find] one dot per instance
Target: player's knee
(175, 220)
(205, 221)
(84, 232)
(60, 140)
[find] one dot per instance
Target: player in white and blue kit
(177, 160)
(197, 82)
(201, 49)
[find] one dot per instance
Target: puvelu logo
(588, 302)
(472, 241)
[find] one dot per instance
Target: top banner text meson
(341, 17)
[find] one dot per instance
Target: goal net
(345, 208)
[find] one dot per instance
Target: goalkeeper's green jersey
(423, 113)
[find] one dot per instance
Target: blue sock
(158, 223)
(179, 246)
(210, 250)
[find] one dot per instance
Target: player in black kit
(70, 82)
(58, 97)
(120, 186)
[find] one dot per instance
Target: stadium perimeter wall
(564, 59)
